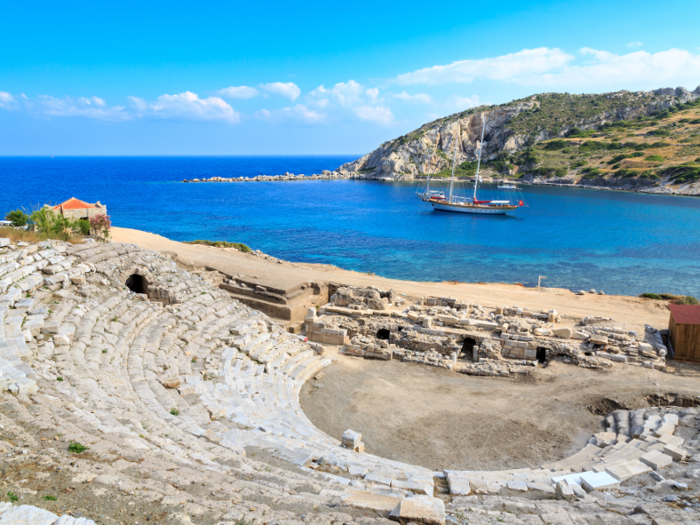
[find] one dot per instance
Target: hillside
(623, 140)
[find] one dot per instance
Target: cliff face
(509, 128)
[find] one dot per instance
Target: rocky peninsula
(633, 141)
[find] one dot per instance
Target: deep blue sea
(622, 243)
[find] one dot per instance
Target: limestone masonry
(188, 401)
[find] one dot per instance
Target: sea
(580, 239)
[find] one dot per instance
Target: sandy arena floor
(444, 420)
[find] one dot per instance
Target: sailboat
(466, 204)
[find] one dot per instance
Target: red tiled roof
(685, 313)
(73, 204)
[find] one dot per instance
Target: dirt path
(440, 419)
(633, 311)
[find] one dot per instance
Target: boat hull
(471, 208)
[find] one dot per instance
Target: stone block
(624, 471)
(598, 481)
(644, 347)
(656, 459)
(542, 331)
(675, 452)
(518, 486)
(421, 509)
(4, 241)
(564, 491)
(581, 336)
(598, 339)
(563, 333)
(382, 501)
(351, 438)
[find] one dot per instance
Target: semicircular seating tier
(172, 384)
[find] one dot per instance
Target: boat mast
(427, 184)
(452, 177)
(478, 164)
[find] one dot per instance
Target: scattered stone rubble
(189, 400)
(468, 338)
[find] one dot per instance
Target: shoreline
(263, 270)
(291, 177)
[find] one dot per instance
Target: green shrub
(686, 299)
(18, 218)
(561, 172)
(654, 158)
(556, 144)
(174, 411)
(76, 448)
(83, 225)
(635, 154)
(578, 164)
(49, 498)
(659, 145)
(654, 296)
(223, 244)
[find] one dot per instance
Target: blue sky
(234, 78)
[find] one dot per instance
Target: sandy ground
(444, 420)
(632, 312)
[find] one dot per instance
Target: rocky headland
(632, 141)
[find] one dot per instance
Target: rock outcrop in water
(510, 128)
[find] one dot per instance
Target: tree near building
(100, 225)
(18, 218)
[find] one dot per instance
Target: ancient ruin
(143, 393)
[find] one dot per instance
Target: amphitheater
(136, 392)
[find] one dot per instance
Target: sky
(310, 78)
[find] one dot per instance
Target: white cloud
(285, 89)
(7, 101)
(458, 103)
(634, 44)
(344, 94)
(364, 103)
(90, 107)
(635, 70)
(423, 98)
(505, 67)
(239, 92)
(379, 114)
(186, 105)
(298, 112)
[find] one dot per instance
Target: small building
(684, 331)
(76, 209)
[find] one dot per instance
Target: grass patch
(49, 498)
(76, 448)
(673, 299)
(174, 412)
(20, 235)
(223, 244)
(654, 158)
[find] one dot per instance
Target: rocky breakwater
(324, 175)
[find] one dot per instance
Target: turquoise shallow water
(621, 243)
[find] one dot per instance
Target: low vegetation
(622, 150)
(44, 223)
(223, 244)
(671, 298)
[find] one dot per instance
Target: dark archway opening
(541, 354)
(468, 348)
(383, 334)
(137, 284)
